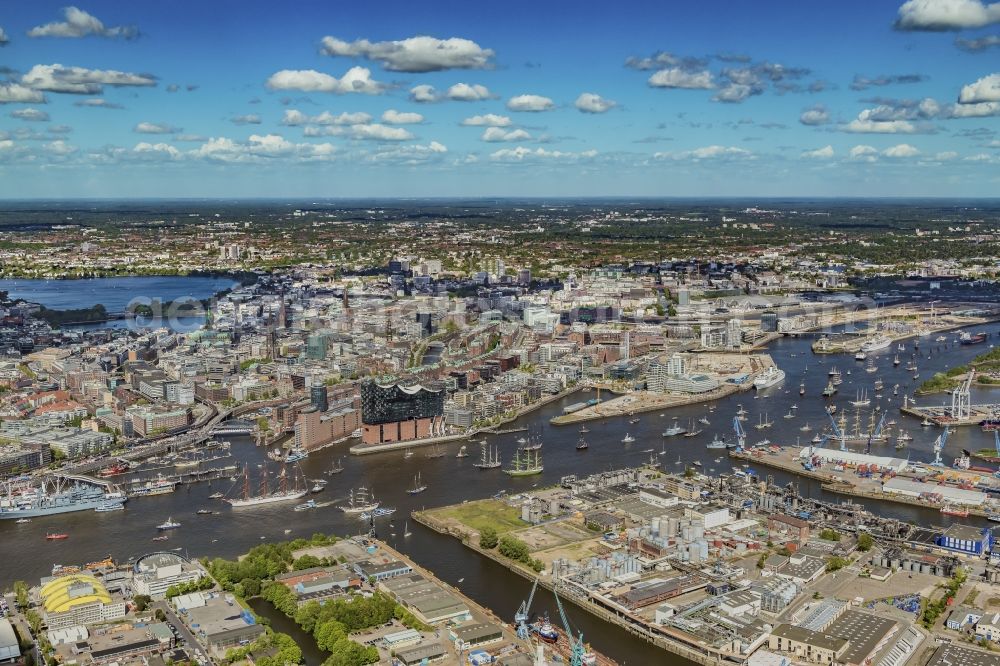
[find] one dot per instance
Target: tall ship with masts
(489, 458)
(525, 463)
(360, 501)
(266, 494)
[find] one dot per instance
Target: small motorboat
(51, 536)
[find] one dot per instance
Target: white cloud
(864, 153)
(868, 122)
(4, 39)
(261, 147)
(735, 93)
(30, 114)
(676, 77)
(521, 154)
(411, 154)
(296, 118)
(394, 117)
(355, 80)
(594, 103)
(817, 115)
(707, 153)
(824, 153)
(81, 81)
(946, 156)
(155, 128)
(986, 89)
(246, 119)
(98, 103)
(465, 92)
(415, 54)
(902, 150)
(15, 93)
(60, 148)
(379, 132)
(980, 110)
(980, 157)
(6, 144)
(79, 23)
(530, 103)
(460, 92)
(487, 120)
(493, 134)
(153, 152)
(941, 15)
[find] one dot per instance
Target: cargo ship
(58, 498)
(971, 339)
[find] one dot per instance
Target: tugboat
(546, 632)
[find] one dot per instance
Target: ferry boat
(876, 343)
(967, 338)
(628, 439)
(169, 524)
(161, 485)
(525, 463)
(109, 506)
(296, 455)
(773, 375)
(266, 494)
(305, 506)
(360, 501)
(418, 486)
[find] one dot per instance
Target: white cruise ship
(773, 375)
(876, 343)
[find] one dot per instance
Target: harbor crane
(523, 614)
(996, 441)
(576, 648)
(939, 443)
(578, 652)
(741, 434)
(875, 433)
(838, 433)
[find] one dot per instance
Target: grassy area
(485, 513)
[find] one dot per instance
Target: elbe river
(25, 553)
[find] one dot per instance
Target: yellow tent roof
(56, 593)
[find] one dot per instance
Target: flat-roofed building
(154, 574)
(10, 648)
(809, 646)
(475, 635)
(425, 653)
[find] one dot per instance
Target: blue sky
(875, 98)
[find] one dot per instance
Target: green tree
(829, 535)
(865, 542)
(488, 538)
(306, 562)
(141, 602)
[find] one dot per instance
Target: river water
(25, 554)
(113, 293)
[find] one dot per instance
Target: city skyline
(883, 99)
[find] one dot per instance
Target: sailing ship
(418, 486)
(692, 431)
(265, 493)
(436, 452)
(490, 459)
(360, 501)
(525, 463)
(763, 422)
(337, 468)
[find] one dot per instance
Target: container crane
(741, 434)
(939, 443)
